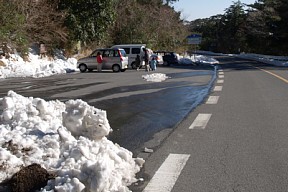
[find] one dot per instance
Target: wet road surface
(136, 109)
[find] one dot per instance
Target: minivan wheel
(133, 65)
(116, 68)
(82, 68)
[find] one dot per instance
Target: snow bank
(36, 67)
(65, 138)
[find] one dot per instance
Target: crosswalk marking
(221, 73)
(212, 100)
(201, 121)
(221, 76)
(167, 175)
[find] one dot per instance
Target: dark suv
(168, 57)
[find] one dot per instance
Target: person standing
(42, 50)
(99, 62)
(153, 64)
(138, 62)
(146, 60)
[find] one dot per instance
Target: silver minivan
(132, 50)
(114, 59)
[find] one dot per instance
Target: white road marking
(218, 88)
(167, 175)
(220, 81)
(201, 121)
(221, 73)
(221, 76)
(212, 100)
(220, 70)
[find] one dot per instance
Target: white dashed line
(220, 81)
(201, 121)
(220, 70)
(221, 76)
(221, 73)
(218, 88)
(167, 175)
(212, 100)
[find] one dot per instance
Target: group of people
(144, 58)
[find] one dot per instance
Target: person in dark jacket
(138, 62)
(146, 59)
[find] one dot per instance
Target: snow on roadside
(66, 138)
(35, 67)
(155, 77)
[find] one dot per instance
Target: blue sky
(195, 9)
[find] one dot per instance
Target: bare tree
(43, 22)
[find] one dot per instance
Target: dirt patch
(28, 179)
(2, 63)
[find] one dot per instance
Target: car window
(127, 50)
(116, 53)
(106, 53)
(111, 53)
(135, 50)
(94, 54)
(123, 53)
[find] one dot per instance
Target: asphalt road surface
(236, 143)
(136, 109)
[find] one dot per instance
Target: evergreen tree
(88, 21)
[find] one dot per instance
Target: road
(136, 109)
(236, 140)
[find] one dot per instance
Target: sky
(68, 138)
(195, 9)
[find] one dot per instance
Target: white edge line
(218, 88)
(168, 173)
(212, 100)
(201, 121)
(221, 76)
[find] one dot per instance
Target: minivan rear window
(135, 50)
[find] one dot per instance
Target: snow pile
(198, 59)
(35, 67)
(202, 59)
(65, 138)
(269, 59)
(155, 77)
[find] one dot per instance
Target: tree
(24, 22)
(156, 25)
(12, 25)
(232, 28)
(43, 22)
(88, 21)
(268, 26)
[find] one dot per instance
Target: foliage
(88, 21)
(154, 24)
(12, 25)
(262, 28)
